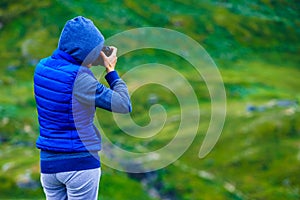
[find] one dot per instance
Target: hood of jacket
(81, 39)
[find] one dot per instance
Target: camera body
(107, 50)
(99, 61)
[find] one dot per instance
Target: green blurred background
(255, 45)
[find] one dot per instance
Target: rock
(286, 103)
(4, 121)
(7, 166)
(11, 68)
(289, 111)
(3, 138)
(206, 175)
(26, 182)
(33, 62)
(152, 99)
(27, 128)
(251, 108)
(229, 187)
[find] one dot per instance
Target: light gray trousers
(73, 185)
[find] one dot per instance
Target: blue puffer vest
(66, 125)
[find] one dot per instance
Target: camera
(107, 51)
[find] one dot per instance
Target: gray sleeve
(89, 91)
(85, 88)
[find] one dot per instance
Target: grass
(255, 47)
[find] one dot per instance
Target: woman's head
(81, 39)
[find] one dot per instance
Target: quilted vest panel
(57, 108)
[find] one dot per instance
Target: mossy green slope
(256, 47)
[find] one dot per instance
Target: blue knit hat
(81, 39)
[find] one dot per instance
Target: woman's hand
(110, 61)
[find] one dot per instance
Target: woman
(66, 94)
